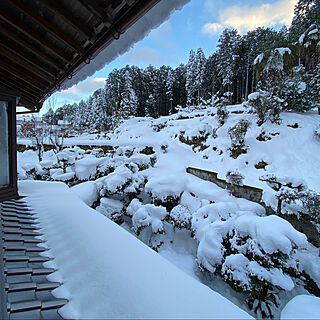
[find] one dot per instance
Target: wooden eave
(45, 42)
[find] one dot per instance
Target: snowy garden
(250, 115)
(137, 177)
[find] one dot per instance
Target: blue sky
(198, 24)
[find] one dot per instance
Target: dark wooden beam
(12, 56)
(93, 7)
(103, 14)
(49, 27)
(15, 82)
(23, 72)
(34, 35)
(27, 58)
(25, 97)
(20, 42)
(22, 76)
(70, 19)
(20, 88)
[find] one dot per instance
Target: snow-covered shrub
(300, 91)
(308, 201)
(196, 141)
(111, 208)
(146, 215)
(252, 254)
(222, 113)
(237, 135)
(234, 178)
(126, 179)
(266, 105)
(180, 217)
(86, 168)
(66, 157)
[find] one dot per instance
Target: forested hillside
(282, 66)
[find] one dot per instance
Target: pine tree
(179, 86)
(169, 90)
(190, 78)
(129, 100)
(200, 62)
(226, 62)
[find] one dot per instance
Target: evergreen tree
(226, 60)
(200, 62)
(190, 78)
(179, 86)
(129, 100)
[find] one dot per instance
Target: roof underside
(45, 42)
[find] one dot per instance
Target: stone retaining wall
(244, 191)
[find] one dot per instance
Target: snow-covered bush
(146, 215)
(300, 91)
(66, 157)
(237, 135)
(234, 178)
(308, 201)
(180, 216)
(111, 208)
(266, 105)
(126, 179)
(222, 113)
(253, 254)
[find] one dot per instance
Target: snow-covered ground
(108, 273)
(191, 222)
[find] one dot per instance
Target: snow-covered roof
(151, 20)
(107, 272)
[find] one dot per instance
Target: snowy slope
(107, 273)
(291, 153)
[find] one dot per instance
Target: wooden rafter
(24, 56)
(28, 74)
(102, 13)
(21, 89)
(14, 57)
(15, 81)
(70, 19)
(29, 32)
(21, 42)
(23, 75)
(52, 29)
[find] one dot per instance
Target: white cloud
(85, 87)
(144, 56)
(212, 28)
(246, 18)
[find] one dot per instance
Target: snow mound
(302, 307)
